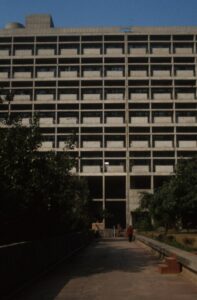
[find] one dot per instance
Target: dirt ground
(186, 239)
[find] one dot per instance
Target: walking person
(130, 233)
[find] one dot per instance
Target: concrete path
(112, 270)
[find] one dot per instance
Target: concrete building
(129, 94)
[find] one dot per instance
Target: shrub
(170, 238)
(143, 223)
(188, 241)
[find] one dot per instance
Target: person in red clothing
(130, 233)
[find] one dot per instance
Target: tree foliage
(38, 193)
(174, 204)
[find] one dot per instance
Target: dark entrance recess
(97, 211)
(95, 187)
(159, 180)
(115, 214)
(140, 182)
(115, 187)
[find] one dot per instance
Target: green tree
(38, 193)
(174, 204)
(17, 153)
(161, 206)
(186, 191)
(81, 203)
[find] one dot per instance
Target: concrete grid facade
(129, 94)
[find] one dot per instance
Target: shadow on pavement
(104, 256)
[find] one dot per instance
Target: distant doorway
(115, 214)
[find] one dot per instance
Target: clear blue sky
(79, 13)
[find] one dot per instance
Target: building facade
(128, 94)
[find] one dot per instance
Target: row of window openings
(98, 71)
(190, 117)
(185, 142)
(114, 114)
(114, 87)
(120, 166)
(99, 49)
(132, 61)
(143, 87)
(93, 59)
(87, 167)
(134, 156)
(99, 38)
(116, 82)
(98, 132)
(116, 107)
(113, 94)
(90, 112)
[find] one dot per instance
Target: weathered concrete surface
(112, 269)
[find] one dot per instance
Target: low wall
(22, 262)
(186, 259)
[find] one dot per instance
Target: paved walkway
(112, 270)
